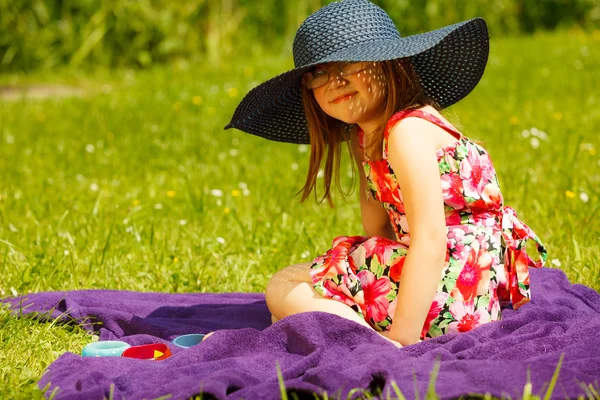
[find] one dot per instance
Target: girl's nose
(336, 79)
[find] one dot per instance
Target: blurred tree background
(44, 34)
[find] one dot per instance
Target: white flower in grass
(305, 254)
(294, 167)
(534, 133)
(158, 206)
(535, 142)
(182, 222)
(320, 174)
(246, 192)
(233, 152)
(220, 240)
(90, 148)
(94, 187)
(79, 177)
(219, 202)
(13, 291)
(538, 133)
(583, 196)
(66, 252)
(302, 148)
(556, 262)
(10, 139)
(242, 185)
(216, 192)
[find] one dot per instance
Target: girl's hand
(385, 334)
(206, 336)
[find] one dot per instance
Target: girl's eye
(318, 73)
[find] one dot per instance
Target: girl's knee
(283, 282)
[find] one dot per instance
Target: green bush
(42, 34)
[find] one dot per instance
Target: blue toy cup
(190, 340)
(108, 348)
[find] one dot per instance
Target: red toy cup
(156, 351)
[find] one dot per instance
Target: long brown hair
(403, 91)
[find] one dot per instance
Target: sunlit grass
(136, 186)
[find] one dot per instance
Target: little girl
(441, 252)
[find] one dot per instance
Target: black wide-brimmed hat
(449, 62)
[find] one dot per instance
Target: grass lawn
(136, 186)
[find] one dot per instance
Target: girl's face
(350, 96)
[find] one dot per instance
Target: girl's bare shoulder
(415, 130)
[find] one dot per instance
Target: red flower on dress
(338, 292)
(476, 172)
(387, 187)
(453, 218)
(466, 317)
(380, 247)
(396, 268)
(334, 262)
(475, 275)
(436, 307)
(452, 190)
(375, 291)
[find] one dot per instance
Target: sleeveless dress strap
(419, 114)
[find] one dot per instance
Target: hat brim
(450, 61)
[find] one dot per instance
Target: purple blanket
(318, 352)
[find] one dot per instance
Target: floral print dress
(486, 267)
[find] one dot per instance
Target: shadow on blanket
(319, 352)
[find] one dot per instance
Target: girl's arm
(375, 219)
(412, 150)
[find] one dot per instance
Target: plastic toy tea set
(154, 351)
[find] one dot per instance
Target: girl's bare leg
(290, 291)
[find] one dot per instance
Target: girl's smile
(343, 97)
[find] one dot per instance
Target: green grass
(119, 189)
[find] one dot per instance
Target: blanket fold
(318, 352)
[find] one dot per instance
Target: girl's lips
(343, 98)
